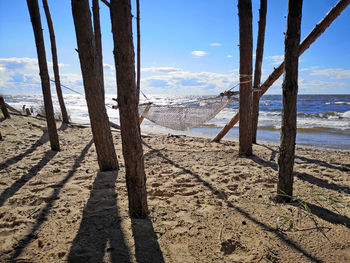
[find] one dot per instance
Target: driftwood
(305, 44)
(114, 125)
(4, 108)
(12, 108)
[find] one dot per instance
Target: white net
(184, 116)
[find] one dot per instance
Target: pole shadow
(10, 191)
(42, 217)
(322, 183)
(42, 140)
(146, 242)
(100, 234)
(343, 168)
(221, 197)
(326, 214)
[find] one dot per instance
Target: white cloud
(160, 69)
(276, 60)
(229, 56)
(332, 73)
(108, 67)
(199, 53)
(309, 68)
(216, 44)
(184, 82)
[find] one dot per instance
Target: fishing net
(187, 115)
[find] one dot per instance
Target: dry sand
(206, 203)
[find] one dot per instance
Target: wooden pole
(289, 101)
(64, 113)
(4, 108)
(138, 58)
(100, 126)
(12, 108)
(34, 12)
(245, 76)
(124, 58)
(114, 125)
(98, 42)
(145, 112)
(313, 35)
(258, 64)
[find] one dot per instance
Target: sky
(187, 47)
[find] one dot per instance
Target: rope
(68, 88)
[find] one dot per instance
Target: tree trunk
(4, 108)
(314, 34)
(258, 64)
(138, 80)
(289, 101)
(128, 109)
(33, 8)
(98, 42)
(245, 71)
(55, 63)
(94, 95)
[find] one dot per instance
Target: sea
(323, 121)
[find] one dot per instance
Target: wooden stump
(4, 108)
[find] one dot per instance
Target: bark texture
(313, 35)
(289, 101)
(94, 94)
(127, 100)
(138, 80)
(33, 8)
(258, 63)
(55, 63)
(245, 71)
(98, 42)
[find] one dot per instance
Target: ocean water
(323, 120)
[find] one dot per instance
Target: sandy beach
(206, 203)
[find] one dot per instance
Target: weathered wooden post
(245, 76)
(124, 58)
(289, 101)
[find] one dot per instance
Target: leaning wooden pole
(314, 34)
(258, 64)
(34, 12)
(64, 113)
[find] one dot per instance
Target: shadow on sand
(43, 215)
(285, 239)
(100, 237)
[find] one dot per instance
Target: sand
(206, 203)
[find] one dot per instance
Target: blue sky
(188, 47)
